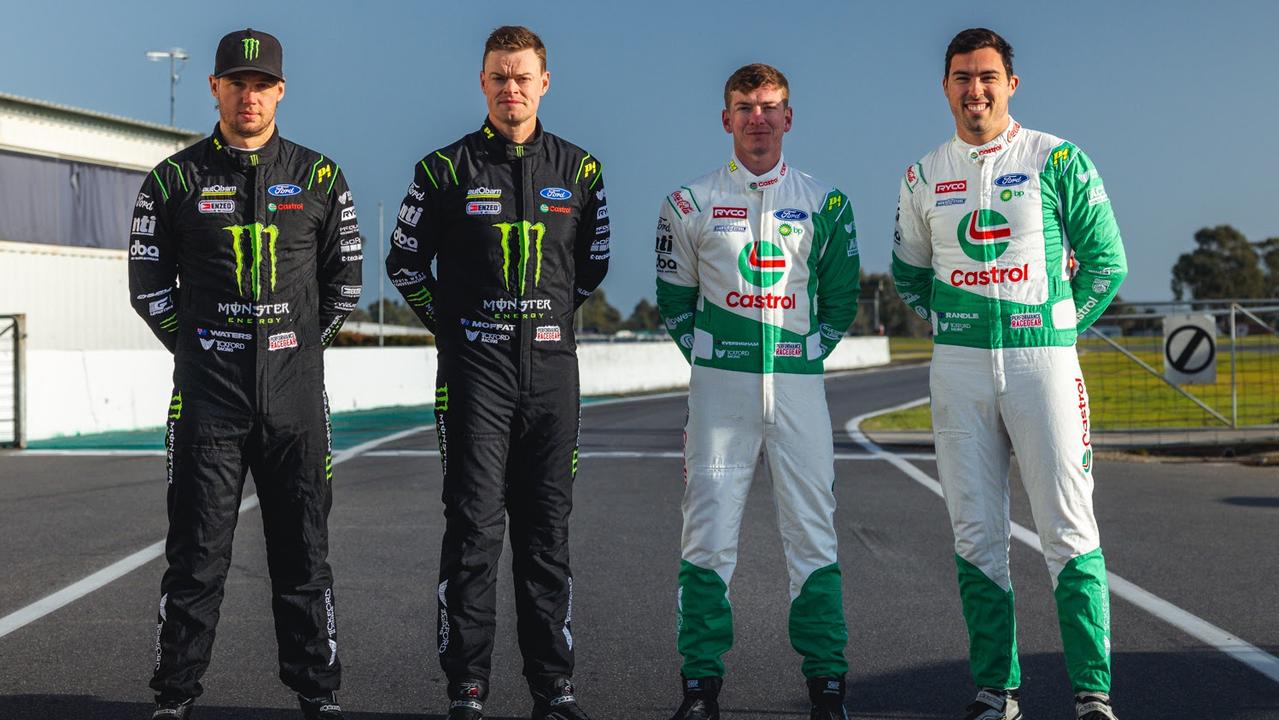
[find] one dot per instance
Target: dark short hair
(754, 76)
(974, 39)
(513, 38)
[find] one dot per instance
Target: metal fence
(12, 380)
(1124, 355)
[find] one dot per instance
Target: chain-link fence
(12, 335)
(1125, 358)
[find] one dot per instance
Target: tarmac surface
(1195, 611)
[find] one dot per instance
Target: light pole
(173, 56)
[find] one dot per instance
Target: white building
(68, 181)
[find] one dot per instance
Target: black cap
(249, 50)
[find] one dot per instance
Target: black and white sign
(1190, 349)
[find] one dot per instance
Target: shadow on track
(86, 707)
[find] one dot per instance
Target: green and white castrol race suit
(983, 247)
(757, 280)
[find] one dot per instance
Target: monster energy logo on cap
(526, 233)
(255, 232)
(252, 48)
(249, 50)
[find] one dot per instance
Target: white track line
(120, 568)
(1193, 625)
(641, 454)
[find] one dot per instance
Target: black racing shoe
(701, 699)
(172, 709)
(827, 696)
(322, 707)
(994, 704)
(466, 699)
(1093, 706)
(556, 702)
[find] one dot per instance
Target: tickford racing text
(253, 313)
(990, 276)
(736, 299)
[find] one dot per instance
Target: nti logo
(762, 263)
(252, 46)
(526, 234)
(984, 235)
(255, 233)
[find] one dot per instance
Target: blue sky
(1175, 102)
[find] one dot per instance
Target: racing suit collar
(244, 158)
(995, 147)
(750, 181)
(499, 145)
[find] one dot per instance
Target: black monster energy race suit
(520, 237)
(266, 255)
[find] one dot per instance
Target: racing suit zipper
(768, 335)
(523, 371)
(994, 314)
(255, 172)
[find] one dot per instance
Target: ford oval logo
(790, 214)
(283, 190)
(1011, 179)
(555, 194)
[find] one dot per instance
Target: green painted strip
(429, 176)
(597, 179)
(311, 180)
(692, 197)
(181, 179)
(333, 179)
(450, 162)
(160, 182)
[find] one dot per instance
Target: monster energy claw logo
(255, 231)
(251, 48)
(524, 230)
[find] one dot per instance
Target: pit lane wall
(74, 392)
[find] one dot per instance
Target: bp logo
(762, 263)
(984, 235)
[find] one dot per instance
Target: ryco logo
(762, 263)
(984, 235)
(728, 212)
(951, 186)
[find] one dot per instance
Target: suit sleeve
(912, 266)
(1093, 234)
(590, 250)
(408, 263)
(677, 280)
(838, 270)
(153, 261)
(339, 265)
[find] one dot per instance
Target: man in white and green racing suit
(1006, 241)
(757, 280)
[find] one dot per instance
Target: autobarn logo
(788, 349)
(281, 341)
(732, 213)
(762, 263)
(950, 186)
(984, 235)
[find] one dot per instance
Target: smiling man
(1006, 241)
(244, 261)
(516, 222)
(757, 280)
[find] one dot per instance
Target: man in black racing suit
(515, 220)
(244, 260)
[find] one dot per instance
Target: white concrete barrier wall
(73, 392)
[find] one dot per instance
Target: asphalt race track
(1198, 539)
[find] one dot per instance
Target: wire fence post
(1234, 388)
(381, 298)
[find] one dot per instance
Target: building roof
(176, 133)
